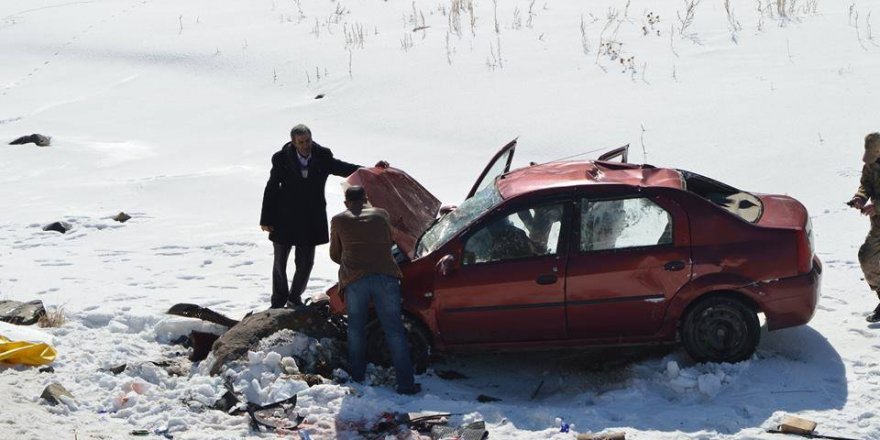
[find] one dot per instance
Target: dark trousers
(303, 259)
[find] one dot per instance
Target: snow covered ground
(170, 111)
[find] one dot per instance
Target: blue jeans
(384, 290)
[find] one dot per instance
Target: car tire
(720, 329)
(419, 344)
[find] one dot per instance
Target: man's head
(355, 197)
(301, 137)
(872, 148)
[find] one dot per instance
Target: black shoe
(294, 305)
(875, 315)
(416, 389)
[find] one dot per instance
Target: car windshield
(450, 224)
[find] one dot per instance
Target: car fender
(704, 285)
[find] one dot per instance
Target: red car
(593, 253)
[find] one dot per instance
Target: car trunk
(781, 212)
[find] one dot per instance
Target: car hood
(412, 208)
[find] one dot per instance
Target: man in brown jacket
(360, 242)
(865, 201)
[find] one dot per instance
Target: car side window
(625, 223)
(525, 233)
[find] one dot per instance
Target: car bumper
(792, 301)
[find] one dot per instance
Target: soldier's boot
(875, 315)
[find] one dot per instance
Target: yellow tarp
(26, 353)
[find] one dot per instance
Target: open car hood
(412, 208)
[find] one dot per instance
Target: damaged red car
(594, 253)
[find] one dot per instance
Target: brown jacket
(361, 245)
(869, 185)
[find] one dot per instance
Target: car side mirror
(446, 265)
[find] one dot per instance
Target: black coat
(295, 207)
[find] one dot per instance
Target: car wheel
(419, 345)
(720, 329)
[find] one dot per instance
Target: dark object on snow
(116, 370)
(53, 393)
(122, 217)
(48, 369)
(814, 435)
(310, 379)
(228, 401)
(450, 375)
(203, 313)
(320, 96)
(482, 398)
(470, 431)
(19, 313)
(61, 227)
(239, 339)
(40, 140)
(261, 416)
(201, 344)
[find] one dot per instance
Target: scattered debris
(122, 217)
(606, 436)
(797, 425)
(40, 140)
(227, 401)
(310, 379)
(802, 427)
(61, 227)
(115, 370)
(48, 369)
(272, 416)
(320, 96)
(470, 431)
(482, 398)
(53, 393)
(20, 313)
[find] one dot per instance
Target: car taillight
(806, 248)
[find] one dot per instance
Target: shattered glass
(450, 224)
(526, 233)
(617, 224)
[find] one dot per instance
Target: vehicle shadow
(656, 389)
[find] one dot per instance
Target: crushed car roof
(575, 173)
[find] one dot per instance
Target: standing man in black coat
(295, 210)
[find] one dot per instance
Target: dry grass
(54, 318)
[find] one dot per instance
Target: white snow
(170, 111)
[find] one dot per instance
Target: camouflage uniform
(869, 253)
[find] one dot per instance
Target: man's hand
(382, 164)
(867, 209)
(857, 202)
(267, 228)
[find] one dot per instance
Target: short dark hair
(871, 139)
(300, 130)
(355, 193)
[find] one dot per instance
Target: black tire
(720, 329)
(419, 344)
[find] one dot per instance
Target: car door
(509, 286)
(498, 165)
(631, 255)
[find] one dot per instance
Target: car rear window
(742, 204)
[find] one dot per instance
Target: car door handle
(674, 265)
(546, 279)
